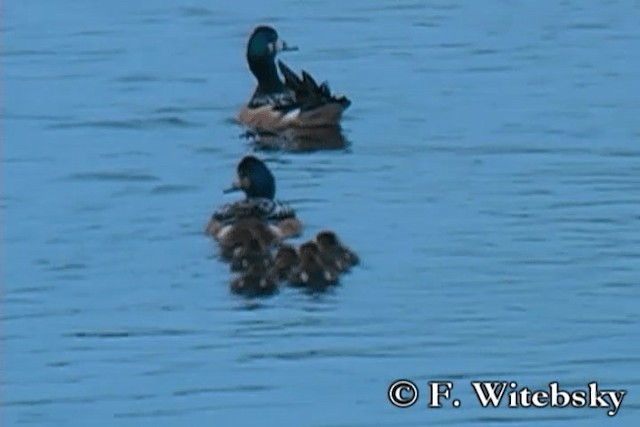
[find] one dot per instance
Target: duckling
(240, 234)
(296, 102)
(254, 282)
(285, 261)
(253, 253)
(257, 182)
(312, 273)
(334, 253)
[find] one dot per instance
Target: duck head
(310, 254)
(262, 48)
(254, 178)
(327, 239)
(333, 251)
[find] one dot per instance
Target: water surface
(490, 188)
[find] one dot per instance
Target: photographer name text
(494, 394)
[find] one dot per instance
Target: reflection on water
(488, 179)
(300, 139)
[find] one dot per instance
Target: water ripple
(135, 124)
(124, 176)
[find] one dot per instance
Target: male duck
(263, 217)
(296, 102)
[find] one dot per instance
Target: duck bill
(235, 186)
(282, 46)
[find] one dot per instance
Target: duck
(285, 261)
(252, 253)
(311, 272)
(296, 101)
(334, 253)
(239, 236)
(255, 282)
(258, 214)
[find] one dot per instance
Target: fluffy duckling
(253, 253)
(240, 235)
(334, 253)
(254, 282)
(312, 272)
(285, 261)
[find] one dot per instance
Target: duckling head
(286, 253)
(285, 260)
(332, 248)
(309, 252)
(327, 239)
(313, 272)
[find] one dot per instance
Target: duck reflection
(300, 139)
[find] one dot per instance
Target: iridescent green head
(265, 43)
(262, 48)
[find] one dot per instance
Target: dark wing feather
(324, 88)
(309, 82)
(291, 80)
(307, 94)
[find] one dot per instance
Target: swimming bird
(293, 103)
(256, 281)
(334, 253)
(250, 254)
(236, 237)
(285, 261)
(269, 218)
(312, 273)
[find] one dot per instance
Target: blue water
(490, 188)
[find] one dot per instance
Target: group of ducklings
(314, 265)
(251, 232)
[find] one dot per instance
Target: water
(490, 188)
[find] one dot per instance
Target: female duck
(296, 102)
(256, 210)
